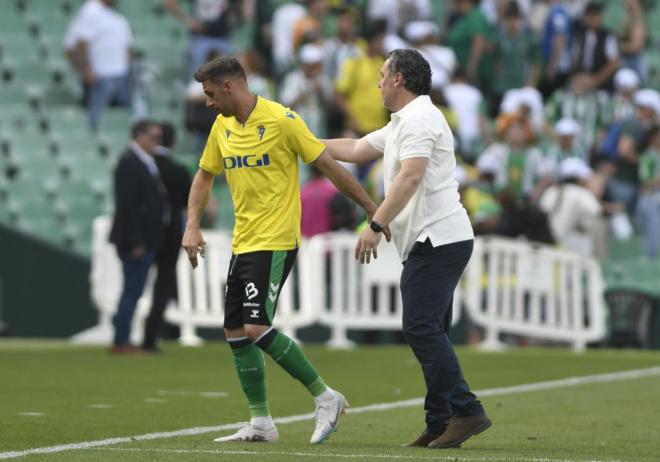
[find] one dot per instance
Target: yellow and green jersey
(260, 161)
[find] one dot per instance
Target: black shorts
(254, 283)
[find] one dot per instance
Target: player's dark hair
(142, 127)
(415, 69)
(220, 68)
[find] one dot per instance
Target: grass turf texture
(598, 421)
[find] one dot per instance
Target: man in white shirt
(432, 233)
(98, 43)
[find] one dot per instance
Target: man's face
(386, 85)
(151, 140)
(218, 97)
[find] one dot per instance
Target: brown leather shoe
(459, 429)
(423, 440)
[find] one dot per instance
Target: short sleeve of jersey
(417, 139)
(377, 139)
(298, 138)
(211, 160)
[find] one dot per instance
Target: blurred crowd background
(553, 104)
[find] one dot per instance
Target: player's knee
(254, 331)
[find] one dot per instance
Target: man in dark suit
(177, 183)
(141, 214)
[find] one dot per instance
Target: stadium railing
(510, 287)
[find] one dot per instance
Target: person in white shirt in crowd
(626, 83)
(423, 36)
(98, 43)
(574, 212)
(470, 107)
(210, 26)
(308, 90)
(564, 145)
(284, 19)
(526, 101)
(432, 233)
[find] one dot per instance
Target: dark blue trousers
(136, 271)
(429, 278)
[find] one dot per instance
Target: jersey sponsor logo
(261, 130)
(247, 161)
(255, 314)
(251, 290)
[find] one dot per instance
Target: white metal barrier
(509, 287)
(535, 291)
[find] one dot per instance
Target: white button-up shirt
(434, 211)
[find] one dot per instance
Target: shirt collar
(145, 158)
(411, 107)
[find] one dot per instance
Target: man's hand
(193, 242)
(367, 243)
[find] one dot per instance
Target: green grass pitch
(55, 394)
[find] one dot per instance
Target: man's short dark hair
(415, 69)
(142, 127)
(220, 68)
(593, 7)
(168, 138)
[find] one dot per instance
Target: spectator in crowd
(573, 210)
(521, 167)
(633, 38)
(210, 27)
(423, 36)
(141, 214)
(470, 37)
(596, 51)
(470, 107)
(648, 208)
(98, 43)
(625, 143)
(515, 55)
(479, 198)
(556, 48)
(398, 13)
(345, 45)
(581, 102)
(310, 28)
(257, 77)
(357, 86)
(315, 198)
(564, 145)
(523, 104)
(308, 90)
(284, 19)
(177, 183)
(626, 84)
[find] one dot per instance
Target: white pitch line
(349, 456)
(546, 385)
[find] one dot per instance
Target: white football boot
(327, 417)
(251, 434)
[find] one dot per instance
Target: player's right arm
(200, 191)
(352, 150)
(210, 165)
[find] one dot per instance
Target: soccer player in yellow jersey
(257, 142)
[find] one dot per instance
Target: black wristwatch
(375, 226)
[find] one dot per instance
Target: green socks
(290, 357)
(251, 368)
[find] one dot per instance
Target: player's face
(218, 97)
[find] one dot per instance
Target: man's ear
(398, 79)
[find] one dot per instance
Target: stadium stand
(55, 175)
